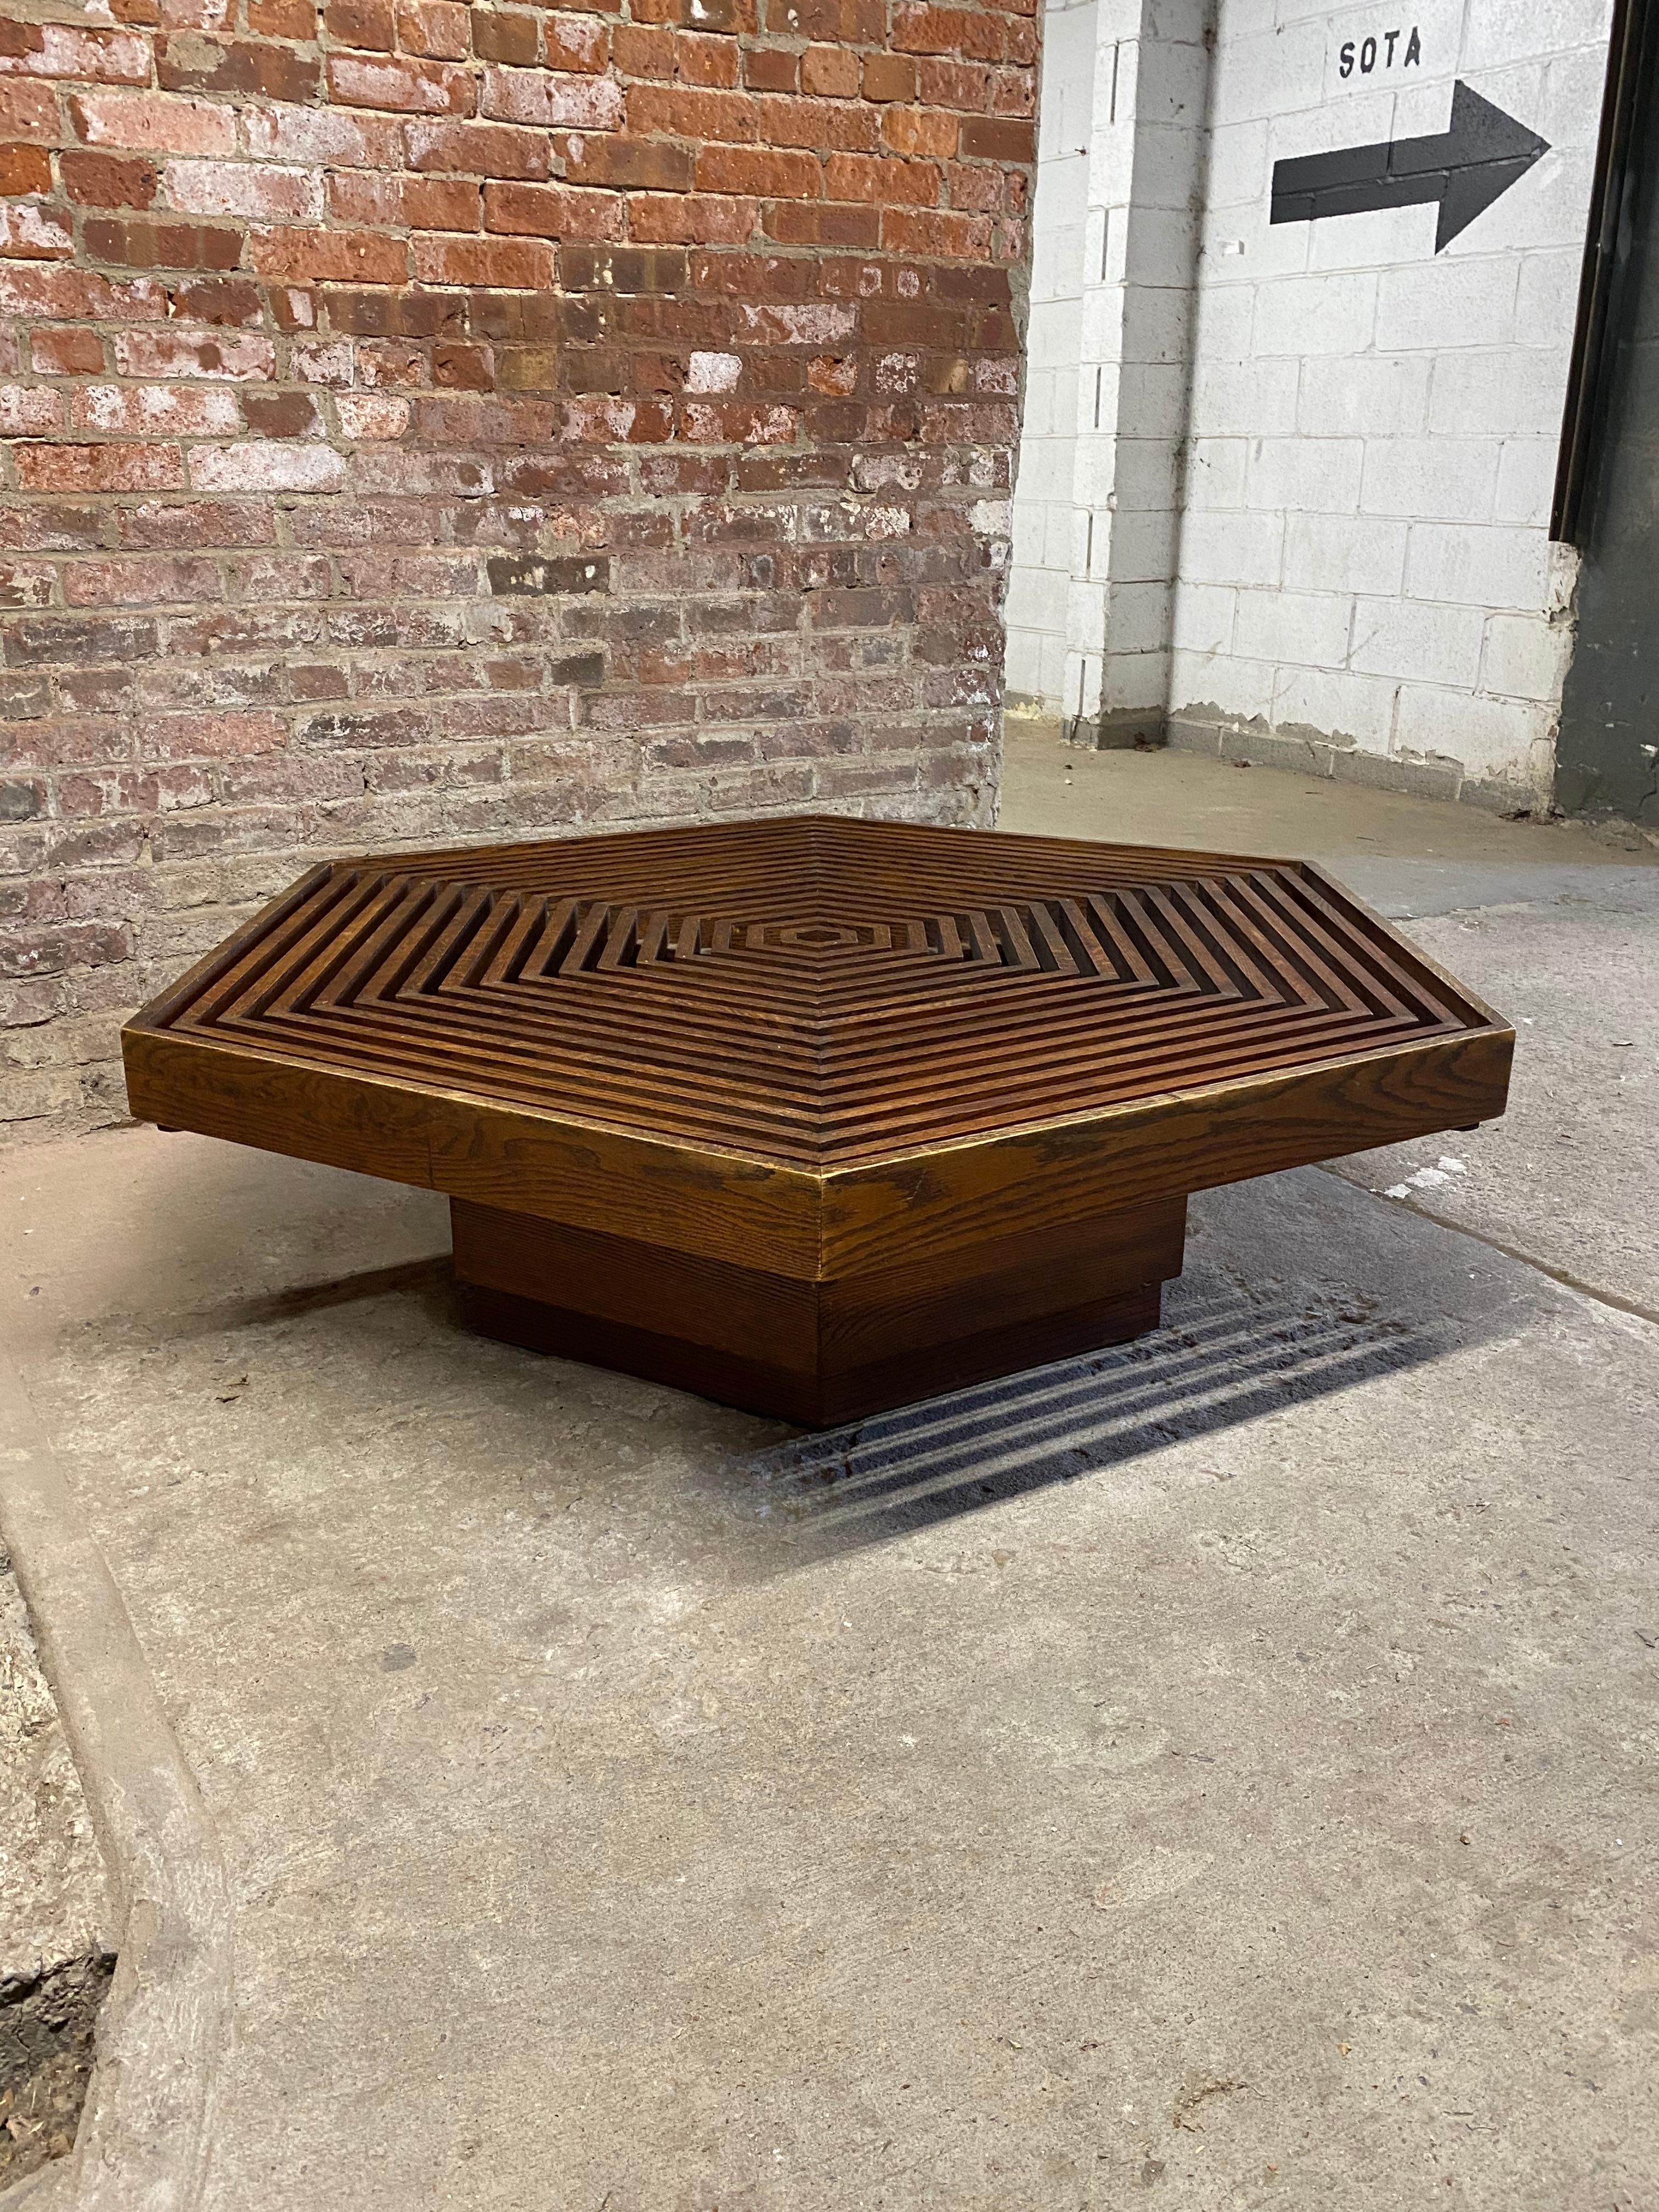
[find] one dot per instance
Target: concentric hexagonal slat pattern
(818, 991)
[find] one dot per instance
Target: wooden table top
(815, 995)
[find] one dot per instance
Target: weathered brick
(551, 97)
(99, 468)
(603, 158)
(64, 49)
(515, 264)
(832, 72)
(405, 87)
(261, 191)
(516, 574)
(507, 34)
(319, 257)
(404, 203)
(364, 23)
(109, 179)
(26, 410)
(28, 111)
(142, 242)
(170, 353)
(210, 736)
(477, 149)
(187, 62)
(33, 639)
(155, 410)
(278, 414)
(552, 211)
(995, 139)
(436, 429)
(888, 76)
(149, 122)
(25, 169)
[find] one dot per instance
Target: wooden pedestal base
(816, 1352)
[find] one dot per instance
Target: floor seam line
(1559, 1275)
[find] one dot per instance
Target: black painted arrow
(1465, 169)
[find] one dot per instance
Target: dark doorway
(1607, 755)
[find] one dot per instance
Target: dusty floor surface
(54, 1911)
(1218, 1773)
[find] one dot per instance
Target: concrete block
(1151, 398)
(1238, 248)
(1297, 752)
(1022, 667)
(1145, 475)
(1223, 316)
(1057, 538)
(1452, 479)
(1144, 546)
(1547, 207)
(1215, 473)
(1525, 656)
(1448, 303)
(1526, 480)
(1346, 707)
(1094, 468)
(1221, 548)
(1313, 475)
(1052, 684)
(1375, 395)
(1101, 386)
(1268, 73)
(1192, 734)
(1220, 684)
(1135, 682)
(1168, 168)
(1417, 779)
(1570, 116)
(1170, 77)
(1254, 398)
(1357, 113)
(1064, 403)
(1117, 729)
(1515, 391)
(1365, 553)
(1138, 617)
(1101, 335)
(1203, 619)
(1496, 31)
(1053, 333)
(1417, 639)
(1156, 323)
(1378, 240)
(1493, 737)
(1476, 565)
(1547, 297)
(1236, 173)
(1160, 244)
(1086, 618)
(1315, 314)
(1309, 628)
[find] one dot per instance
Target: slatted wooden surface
(817, 990)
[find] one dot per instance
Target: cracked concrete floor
(1216, 1772)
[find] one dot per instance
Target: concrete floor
(1216, 1772)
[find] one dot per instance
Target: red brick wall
(431, 421)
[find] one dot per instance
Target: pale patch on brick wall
(436, 423)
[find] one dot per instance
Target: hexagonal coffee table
(814, 1115)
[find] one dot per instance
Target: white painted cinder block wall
(1364, 566)
(1042, 561)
